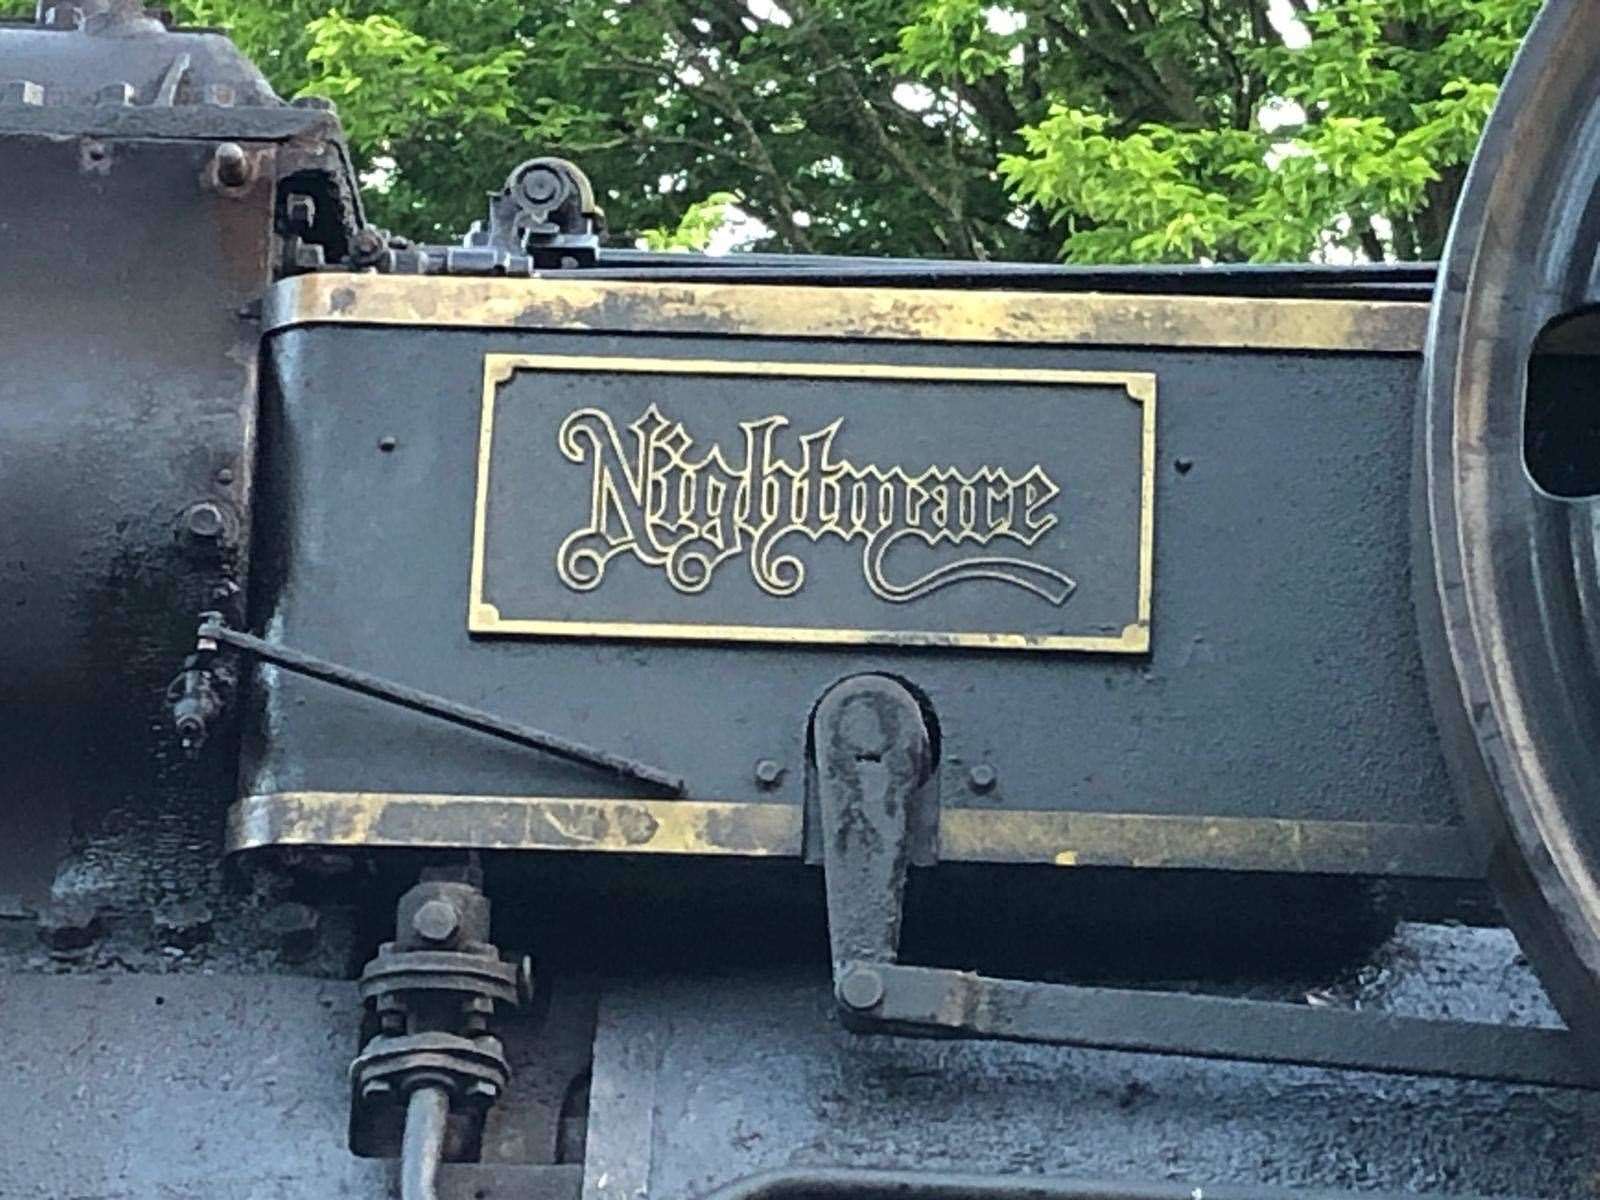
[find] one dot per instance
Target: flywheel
(1508, 569)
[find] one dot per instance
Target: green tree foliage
(1385, 101)
(1091, 130)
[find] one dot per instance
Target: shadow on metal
(836, 1183)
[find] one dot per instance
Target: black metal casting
(871, 764)
(426, 1077)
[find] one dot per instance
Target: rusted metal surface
(1104, 319)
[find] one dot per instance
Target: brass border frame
(721, 828)
(1140, 386)
(866, 313)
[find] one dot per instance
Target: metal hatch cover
(820, 503)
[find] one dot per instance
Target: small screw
(769, 773)
(435, 921)
(982, 777)
(225, 475)
(387, 443)
(232, 164)
(861, 989)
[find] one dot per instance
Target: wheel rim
(1514, 603)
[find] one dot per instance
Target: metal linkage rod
(312, 667)
(423, 1147)
(928, 1001)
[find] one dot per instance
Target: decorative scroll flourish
(688, 512)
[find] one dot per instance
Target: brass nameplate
(818, 502)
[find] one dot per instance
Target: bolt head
(205, 521)
(982, 777)
(435, 921)
(541, 186)
(769, 772)
(233, 165)
(861, 989)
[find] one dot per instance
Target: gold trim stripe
(727, 828)
(1134, 637)
(875, 314)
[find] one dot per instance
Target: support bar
(930, 1002)
(312, 667)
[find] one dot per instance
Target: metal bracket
(872, 764)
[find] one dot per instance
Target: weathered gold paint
(876, 313)
(1232, 843)
(702, 827)
(634, 826)
(1134, 638)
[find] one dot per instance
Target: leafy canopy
(1090, 130)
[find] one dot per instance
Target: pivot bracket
(873, 768)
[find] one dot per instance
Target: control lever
(214, 632)
(873, 767)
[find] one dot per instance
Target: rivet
(204, 521)
(861, 989)
(982, 777)
(225, 475)
(387, 443)
(769, 772)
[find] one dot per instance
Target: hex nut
(435, 921)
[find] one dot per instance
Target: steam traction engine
(924, 728)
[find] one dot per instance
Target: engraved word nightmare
(668, 506)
